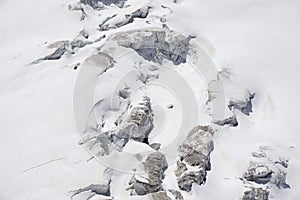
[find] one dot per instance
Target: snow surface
(257, 40)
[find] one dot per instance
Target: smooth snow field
(149, 99)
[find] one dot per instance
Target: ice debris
(154, 168)
(194, 157)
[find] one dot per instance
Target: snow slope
(40, 155)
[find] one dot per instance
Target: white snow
(258, 41)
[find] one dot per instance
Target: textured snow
(40, 156)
